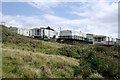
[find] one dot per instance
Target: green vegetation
(116, 48)
(27, 43)
(18, 64)
(93, 61)
(27, 57)
(100, 49)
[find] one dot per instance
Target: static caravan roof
(89, 34)
(66, 30)
(48, 28)
(99, 36)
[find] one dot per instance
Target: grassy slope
(28, 44)
(19, 63)
(26, 57)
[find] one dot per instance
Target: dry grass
(18, 63)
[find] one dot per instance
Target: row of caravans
(40, 33)
(66, 36)
(70, 35)
(102, 40)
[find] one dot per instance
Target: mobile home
(21, 31)
(43, 33)
(118, 41)
(71, 35)
(103, 40)
(89, 38)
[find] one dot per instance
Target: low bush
(116, 48)
(90, 63)
(100, 49)
(69, 51)
(116, 55)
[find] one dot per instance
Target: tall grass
(19, 64)
(27, 43)
(24, 57)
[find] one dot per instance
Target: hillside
(19, 63)
(27, 57)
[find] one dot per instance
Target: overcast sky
(89, 16)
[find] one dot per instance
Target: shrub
(109, 53)
(116, 48)
(91, 62)
(104, 67)
(84, 70)
(99, 49)
(69, 51)
(116, 56)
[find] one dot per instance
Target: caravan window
(102, 39)
(99, 39)
(95, 39)
(37, 31)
